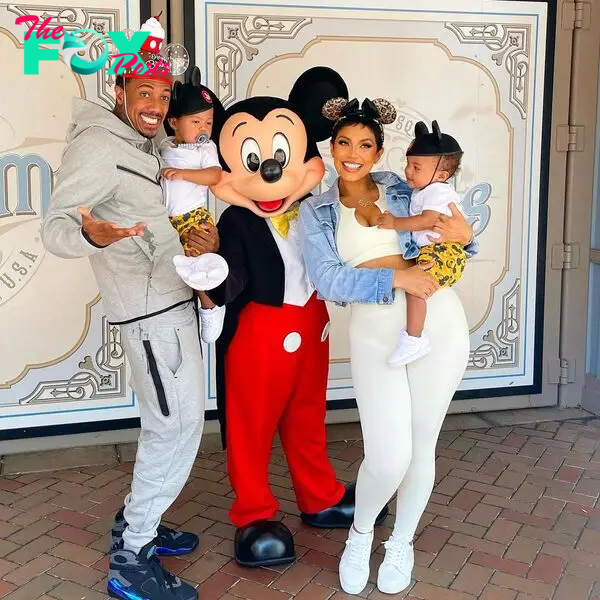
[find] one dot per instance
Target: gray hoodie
(112, 170)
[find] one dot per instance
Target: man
(107, 205)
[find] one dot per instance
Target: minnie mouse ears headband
(379, 110)
(435, 143)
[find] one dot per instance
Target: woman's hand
(416, 281)
(203, 240)
(452, 229)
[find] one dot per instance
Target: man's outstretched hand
(104, 233)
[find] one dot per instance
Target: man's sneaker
(408, 349)
(396, 569)
(141, 577)
(168, 542)
(354, 564)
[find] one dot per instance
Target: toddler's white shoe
(408, 349)
(211, 323)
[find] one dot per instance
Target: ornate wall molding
(100, 377)
(510, 44)
(237, 38)
(500, 348)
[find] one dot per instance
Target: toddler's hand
(386, 221)
(171, 173)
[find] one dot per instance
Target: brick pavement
(515, 516)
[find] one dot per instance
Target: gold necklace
(366, 203)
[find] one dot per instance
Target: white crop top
(358, 243)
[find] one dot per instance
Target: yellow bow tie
(281, 224)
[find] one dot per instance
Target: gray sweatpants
(167, 376)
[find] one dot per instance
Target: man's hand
(171, 173)
(452, 229)
(386, 221)
(202, 240)
(104, 233)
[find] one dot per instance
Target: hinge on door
(576, 15)
(561, 371)
(565, 256)
(570, 138)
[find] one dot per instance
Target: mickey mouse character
(273, 354)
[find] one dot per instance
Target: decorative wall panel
(476, 67)
(61, 362)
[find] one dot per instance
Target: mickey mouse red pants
(276, 369)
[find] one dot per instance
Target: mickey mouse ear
(310, 93)
(176, 91)
(196, 77)
(421, 129)
(436, 130)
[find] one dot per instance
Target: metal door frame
(587, 57)
(579, 192)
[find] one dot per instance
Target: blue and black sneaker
(141, 577)
(168, 542)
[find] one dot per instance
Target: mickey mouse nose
(270, 170)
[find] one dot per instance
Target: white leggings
(402, 408)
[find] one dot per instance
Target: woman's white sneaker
(354, 564)
(396, 569)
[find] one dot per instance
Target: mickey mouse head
(268, 145)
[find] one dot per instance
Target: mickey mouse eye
(281, 149)
(251, 155)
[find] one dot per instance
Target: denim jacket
(335, 281)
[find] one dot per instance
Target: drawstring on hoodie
(125, 105)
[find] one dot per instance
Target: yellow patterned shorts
(449, 262)
(190, 220)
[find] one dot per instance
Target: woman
(350, 260)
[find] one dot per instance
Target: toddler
(192, 164)
(433, 158)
